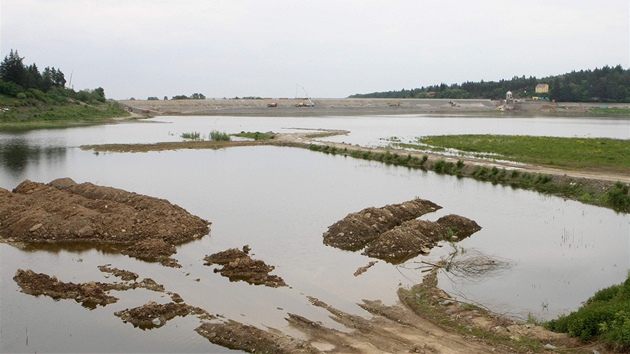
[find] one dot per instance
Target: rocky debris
(356, 230)
(154, 315)
(235, 335)
(88, 294)
(459, 226)
(238, 265)
(153, 250)
(227, 256)
(63, 210)
(121, 273)
(364, 269)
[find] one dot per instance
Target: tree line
(608, 84)
(26, 81)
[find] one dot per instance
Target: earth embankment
(302, 107)
(297, 107)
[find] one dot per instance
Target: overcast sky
(333, 48)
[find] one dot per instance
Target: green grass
(56, 116)
(568, 153)
(610, 195)
(611, 111)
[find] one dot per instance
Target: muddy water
(280, 201)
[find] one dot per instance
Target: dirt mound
(238, 265)
(405, 241)
(154, 315)
(459, 226)
(66, 211)
(356, 230)
(89, 294)
(392, 233)
(121, 273)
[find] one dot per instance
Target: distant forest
(608, 84)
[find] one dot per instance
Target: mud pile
(88, 294)
(356, 230)
(154, 315)
(393, 234)
(64, 211)
(238, 265)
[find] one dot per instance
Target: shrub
(618, 196)
(605, 315)
(219, 136)
(194, 136)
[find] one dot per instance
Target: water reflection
(16, 154)
(71, 247)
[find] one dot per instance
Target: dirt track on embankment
(343, 106)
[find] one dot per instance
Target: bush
(605, 315)
(617, 195)
(21, 96)
(219, 136)
(194, 136)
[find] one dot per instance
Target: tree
(12, 69)
(99, 93)
(47, 80)
(58, 78)
(33, 77)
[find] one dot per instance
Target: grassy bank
(567, 153)
(605, 316)
(607, 194)
(18, 114)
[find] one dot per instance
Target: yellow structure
(542, 88)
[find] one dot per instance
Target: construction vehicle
(310, 103)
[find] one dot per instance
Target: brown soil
(64, 211)
(235, 335)
(238, 265)
(356, 230)
(154, 315)
(90, 294)
(392, 233)
(121, 273)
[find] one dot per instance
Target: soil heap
(64, 211)
(392, 233)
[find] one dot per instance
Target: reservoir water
(279, 201)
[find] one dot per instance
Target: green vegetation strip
(572, 153)
(605, 316)
(601, 193)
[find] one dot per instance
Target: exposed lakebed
(280, 201)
